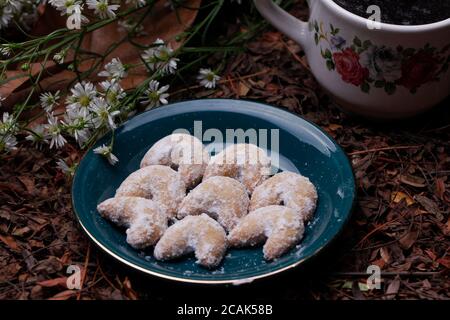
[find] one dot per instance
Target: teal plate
(303, 148)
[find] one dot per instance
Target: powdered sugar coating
(289, 189)
(281, 226)
(158, 183)
(222, 198)
(200, 234)
(181, 152)
(145, 221)
(246, 163)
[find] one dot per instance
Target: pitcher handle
(294, 28)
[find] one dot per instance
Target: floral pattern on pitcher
(364, 64)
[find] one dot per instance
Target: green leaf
(390, 88)
(357, 41)
(328, 54)
(367, 44)
(330, 65)
(316, 38)
(365, 87)
(380, 83)
(316, 26)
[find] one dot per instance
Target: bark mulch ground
(401, 222)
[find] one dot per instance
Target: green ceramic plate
(303, 147)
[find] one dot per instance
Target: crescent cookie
(222, 198)
(289, 189)
(246, 163)
(158, 183)
(144, 221)
(181, 152)
(200, 234)
(281, 226)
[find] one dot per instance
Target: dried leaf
(334, 127)
(408, 240)
(431, 254)
(128, 290)
(63, 295)
(243, 89)
(385, 255)
(414, 181)
(445, 261)
(430, 206)
(393, 288)
(62, 281)
(20, 232)
(48, 266)
(440, 188)
(10, 242)
(398, 196)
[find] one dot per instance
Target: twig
(389, 274)
(296, 57)
(104, 275)
(383, 149)
(86, 262)
(266, 71)
(378, 228)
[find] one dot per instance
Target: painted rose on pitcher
(383, 63)
(348, 66)
(418, 69)
(364, 64)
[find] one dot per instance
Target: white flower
(65, 6)
(5, 16)
(106, 152)
(160, 58)
(78, 125)
(75, 18)
(102, 8)
(114, 70)
(8, 142)
(208, 78)
(5, 50)
(82, 96)
(49, 100)
(154, 95)
(60, 56)
(38, 136)
(137, 3)
(113, 92)
(73, 9)
(53, 129)
(104, 115)
(8, 128)
(64, 167)
(7, 124)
